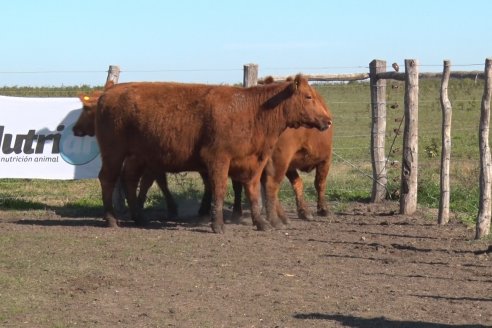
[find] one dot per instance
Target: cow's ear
(84, 98)
(294, 84)
(300, 81)
(108, 85)
(268, 80)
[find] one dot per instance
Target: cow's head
(305, 107)
(85, 125)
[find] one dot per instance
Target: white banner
(37, 142)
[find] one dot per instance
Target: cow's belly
(305, 162)
(245, 169)
(168, 159)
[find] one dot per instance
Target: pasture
(362, 266)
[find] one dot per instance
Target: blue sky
(74, 42)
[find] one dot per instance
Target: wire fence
(351, 105)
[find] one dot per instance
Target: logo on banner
(73, 150)
(77, 150)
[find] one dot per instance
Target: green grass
(350, 104)
(349, 179)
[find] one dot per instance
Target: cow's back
(162, 123)
(175, 123)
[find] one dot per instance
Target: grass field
(350, 174)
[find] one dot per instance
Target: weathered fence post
(250, 77)
(443, 216)
(119, 192)
(409, 170)
(378, 110)
(113, 74)
(484, 208)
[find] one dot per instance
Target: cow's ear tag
(86, 98)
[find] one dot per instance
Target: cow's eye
(309, 97)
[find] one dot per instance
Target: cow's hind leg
(303, 211)
(145, 183)
(109, 173)
(132, 174)
(172, 207)
(320, 185)
(253, 193)
(207, 196)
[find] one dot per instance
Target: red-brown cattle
(219, 130)
(296, 149)
(300, 149)
(85, 126)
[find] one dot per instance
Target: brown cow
(219, 130)
(297, 149)
(85, 126)
(132, 168)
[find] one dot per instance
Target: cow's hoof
(322, 212)
(172, 215)
(236, 217)
(112, 223)
(285, 220)
(262, 225)
(203, 210)
(305, 215)
(141, 222)
(218, 228)
(277, 224)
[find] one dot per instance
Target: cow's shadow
(74, 215)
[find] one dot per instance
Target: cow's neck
(271, 116)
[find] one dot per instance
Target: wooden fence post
(378, 110)
(250, 77)
(118, 192)
(443, 216)
(113, 74)
(484, 208)
(409, 170)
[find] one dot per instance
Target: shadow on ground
(381, 322)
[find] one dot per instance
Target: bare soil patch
(363, 266)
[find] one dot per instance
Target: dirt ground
(363, 266)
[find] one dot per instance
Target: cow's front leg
(273, 176)
(237, 209)
(303, 211)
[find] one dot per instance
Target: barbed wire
(161, 70)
